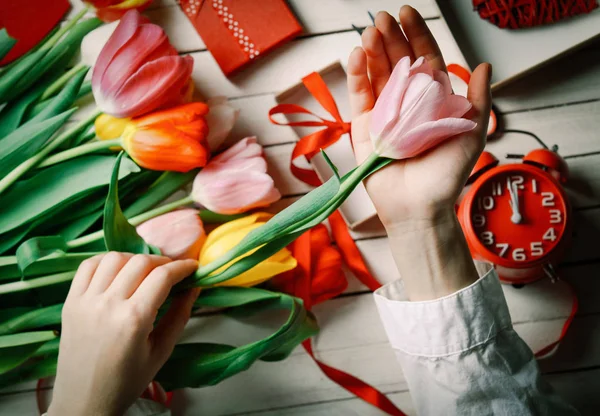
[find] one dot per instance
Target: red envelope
(29, 21)
(237, 32)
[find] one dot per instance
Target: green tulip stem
(84, 149)
(60, 32)
(208, 217)
(346, 186)
(60, 82)
(37, 159)
(23, 285)
(135, 221)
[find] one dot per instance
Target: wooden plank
(574, 78)
(578, 388)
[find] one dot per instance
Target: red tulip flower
(110, 10)
(138, 70)
(173, 139)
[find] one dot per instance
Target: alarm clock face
(518, 215)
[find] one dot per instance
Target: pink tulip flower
(416, 111)
(220, 118)
(138, 70)
(236, 180)
(178, 234)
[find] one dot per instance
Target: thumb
(168, 330)
(480, 97)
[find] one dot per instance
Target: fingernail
(489, 72)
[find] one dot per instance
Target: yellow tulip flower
(225, 237)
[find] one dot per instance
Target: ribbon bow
(310, 145)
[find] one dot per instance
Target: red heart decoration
(516, 14)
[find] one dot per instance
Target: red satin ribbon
(310, 145)
(317, 278)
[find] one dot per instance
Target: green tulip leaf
(85, 89)
(202, 364)
(15, 349)
(32, 370)
(32, 319)
(162, 188)
(25, 142)
(46, 255)
(129, 189)
(10, 313)
(14, 113)
(10, 76)
(78, 226)
(210, 217)
(119, 234)
(6, 43)
(63, 100)
(59, 215)
(11, 238)
(56, 186)
(20, 77)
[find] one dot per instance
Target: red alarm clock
(517, 216)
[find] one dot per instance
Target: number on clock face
(518, 215)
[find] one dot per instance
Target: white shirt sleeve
(461, 356)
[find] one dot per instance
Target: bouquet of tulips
(73, 197)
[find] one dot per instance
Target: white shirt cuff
(444, 326)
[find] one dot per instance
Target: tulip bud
(416, 111)
(138, 70)
(220, 118)
(178, 234)
(236, 180)
(110, 10)
(173, 139)
(228, 235)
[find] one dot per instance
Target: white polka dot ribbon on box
(192, 7)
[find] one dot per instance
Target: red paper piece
(29, 21)
(516, 14)
(237, 32)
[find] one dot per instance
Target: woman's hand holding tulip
(110, 349)
(415, 197)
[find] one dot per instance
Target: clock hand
(516, 217)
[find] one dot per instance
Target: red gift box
(29, 22)
(237, 32)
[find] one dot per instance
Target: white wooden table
(561, 103)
